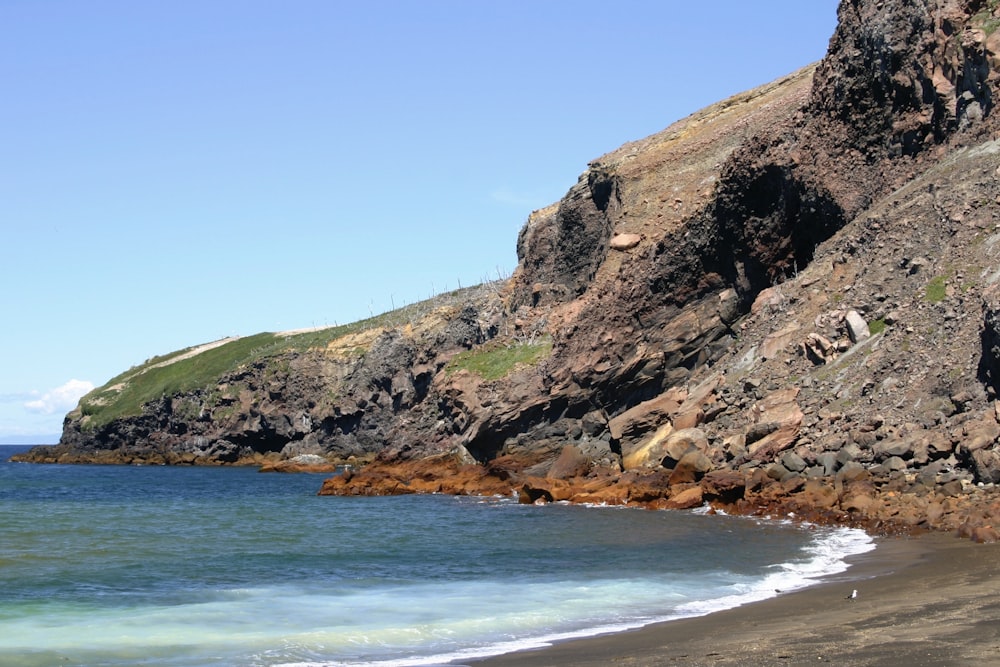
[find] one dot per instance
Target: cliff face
(785, 300)
(340, 392)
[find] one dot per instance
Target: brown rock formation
(785, 303)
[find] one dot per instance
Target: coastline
(927, 600)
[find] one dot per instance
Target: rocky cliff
(785, 302)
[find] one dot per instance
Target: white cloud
(60, 399)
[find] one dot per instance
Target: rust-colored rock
(299, 464)
(725, 486)
(686, 499)
(781, 418)
(624, 241)
(571, 463)
(691, 468)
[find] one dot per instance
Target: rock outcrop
(784, 303)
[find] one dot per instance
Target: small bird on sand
(853, 595)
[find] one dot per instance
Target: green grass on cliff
(494, 362)
(124, 395)
(936, 290)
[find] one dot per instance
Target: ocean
(192, 567)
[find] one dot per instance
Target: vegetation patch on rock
(496, 361)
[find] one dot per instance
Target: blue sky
(175, 172)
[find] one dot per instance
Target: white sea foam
(827, 557)
(228, 567)
(649, 602)
(413, 625)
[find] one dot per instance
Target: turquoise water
(184, 567)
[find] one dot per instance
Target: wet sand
(929, 600)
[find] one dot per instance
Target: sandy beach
(928, 600)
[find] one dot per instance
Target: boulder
(952, 488)
(894, 464)
(759, 431)
(735, 446)
(857, 327)
(778, 472)
(980, 434)
(851, 472)
(690, 468)
(819, 349)
(646, 416)
(647, 453)
(894, 447)
(624, 241)
(681, 442)
(986, 466)
(646, 486)
(686, 499)
(727, 486)
(689, 417)
(817, 494)
(780, 409)
(829, 462)
(848, 453)
(793, 462)
(570, 463)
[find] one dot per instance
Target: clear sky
(175, 172)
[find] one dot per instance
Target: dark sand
(930, 600)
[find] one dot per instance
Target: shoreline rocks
(887, 503)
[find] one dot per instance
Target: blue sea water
(192, 567)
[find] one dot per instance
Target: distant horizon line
(14, 440)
